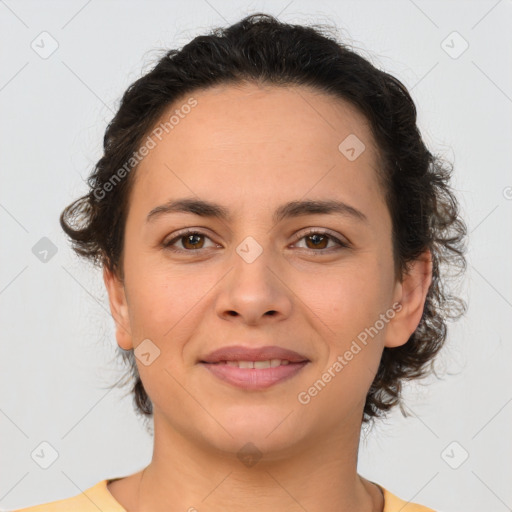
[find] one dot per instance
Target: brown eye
(191, 241)
(317, 241)
(187, 241)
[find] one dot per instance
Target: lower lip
(254, 378)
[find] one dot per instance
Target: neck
(322, 476)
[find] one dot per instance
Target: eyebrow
(285, 211)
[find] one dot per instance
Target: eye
(316, 240)
(190, 240)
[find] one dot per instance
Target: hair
(260, 49)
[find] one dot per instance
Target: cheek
(350, 308)
(348, 299)
(161, 295)
(163, 307)
(351, 305)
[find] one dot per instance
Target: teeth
(269, 363)
(261, 364)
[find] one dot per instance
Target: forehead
(259, 142)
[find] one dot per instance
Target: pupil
(316, 239)
(190, 239)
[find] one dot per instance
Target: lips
(240, 353)
(254, 368)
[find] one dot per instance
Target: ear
(118, 308)
(411, 294)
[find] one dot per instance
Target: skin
(252, 148)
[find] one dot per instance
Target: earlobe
(412, 293)
(118, 308)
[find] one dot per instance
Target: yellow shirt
(98, 497)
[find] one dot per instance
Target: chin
(272, 430)
(249, 448)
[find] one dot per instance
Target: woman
(271, 229)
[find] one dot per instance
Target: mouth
(254, 375)
(254, 368)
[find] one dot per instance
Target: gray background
(57, 335)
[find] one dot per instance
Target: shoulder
(393, 503)
(93, 499)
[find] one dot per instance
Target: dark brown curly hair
(261, 49)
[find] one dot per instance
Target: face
(312, 281)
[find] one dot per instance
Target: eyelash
(298, 237)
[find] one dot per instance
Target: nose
(255, 291)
